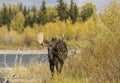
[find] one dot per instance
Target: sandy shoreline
(23, 51)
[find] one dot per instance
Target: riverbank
(42, 51)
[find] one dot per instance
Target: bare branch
(63, 36)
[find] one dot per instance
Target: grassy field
(74, 71)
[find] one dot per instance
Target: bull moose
(57, 52)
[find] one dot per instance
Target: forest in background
(19, 24)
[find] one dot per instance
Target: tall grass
(100, 59)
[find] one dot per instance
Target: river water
(9, 60)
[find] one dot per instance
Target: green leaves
(73, 12)
(62, 10)
(17, 22)
(87, 11)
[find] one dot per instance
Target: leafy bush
(29, 36)
(100, 59)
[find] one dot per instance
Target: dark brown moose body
(57, 53)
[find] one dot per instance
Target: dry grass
(77, 69)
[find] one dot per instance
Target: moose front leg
(60, 69)
(57, 68)
(52, 69)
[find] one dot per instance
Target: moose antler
(40, 38)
